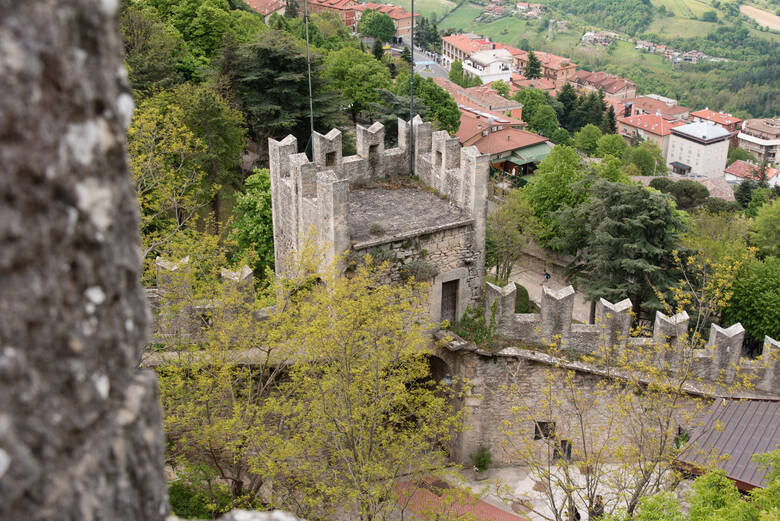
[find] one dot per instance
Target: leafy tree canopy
(756, 299)
(376, 25)
(357, 75)
(765, 230)
(586, 140)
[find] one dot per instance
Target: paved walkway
(532, 280)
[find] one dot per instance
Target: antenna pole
(411, 100)
(308, 65)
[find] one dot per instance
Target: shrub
(522, 299)
(481, 458)
(662, 184)
(419, 269)
(716, 205)
(191, 502)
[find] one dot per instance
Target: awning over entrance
(532, 154)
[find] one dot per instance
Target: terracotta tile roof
(336, 4)
(601, 80)
(393, 11)
(474, 121)
(721, 118)
(651, 123)
(427, 501)
(490, 98)
(654, 106)
(737, 429)
(553, 61)
(521, 82)
(468, 43)
(265, 7)
(747, 170)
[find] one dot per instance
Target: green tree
(376, 25)
(456, 72)
(155, 53)
(252, 225)
(444, 111)
(532, 99)
(611, 170)
(743, 193)
(758, 198)
(622, 238)
(356, 75)
(765, 230)
(533, 68)
(611, 144)
(406, 55)
(647, 158)
(609, 122)
(544, 121)
(569, 102)
(378, 50)
(561, 137)
(360, 401)
(586, 140)
(168, 171)
(270, 78)
(551, 188)
(291, 9)
(739, 154)
(501, 87)
(687, 193)
(756, 300)
(509, 229)
(389, 108)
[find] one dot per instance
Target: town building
(727, 121)
(345, 9)
(667, 108)
(555, 68)
(643, 45)
(615, 88)
(740, 171)
(483, 98)
(402, 19)
(267, 7)
(647, 127)
(761, 137)
(489, 65)
(510, 148)
(698, 148)
(520, 82)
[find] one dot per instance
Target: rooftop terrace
(398, 213)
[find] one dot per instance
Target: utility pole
(308, 67)
(411, 101)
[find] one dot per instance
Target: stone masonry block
(504, 301)
(770, 358)
(557, 307)
(241, 281)
(327, 149)
(615, 321)
(726, 348)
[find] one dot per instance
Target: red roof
(427, 500)
(721, 118)
(654, 106)
(651, 123)
(265, 7)
(521, 82)
(393, 11)
(747, 170)
(602, 80)
(336, 4)
(474, 121)
(553, 61)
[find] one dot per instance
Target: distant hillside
(629, 16)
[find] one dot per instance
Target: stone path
(532, 280)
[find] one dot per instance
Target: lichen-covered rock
(80, 434)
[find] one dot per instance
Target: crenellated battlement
(720, 359)
(435, 216)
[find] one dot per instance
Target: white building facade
(699, 148)
(489, 66)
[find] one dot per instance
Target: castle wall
(311, 200)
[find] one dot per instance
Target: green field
(682, 28)
(685, 8)
(461, 18)
(428, 8)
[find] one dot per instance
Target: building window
(544, 430)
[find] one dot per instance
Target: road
(426, 67)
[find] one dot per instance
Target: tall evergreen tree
(406, 55)
(623, 238)
(533, 69)
(569, 101)
(271, 81)
(608, 123)
(378, 50)
(291, 9)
